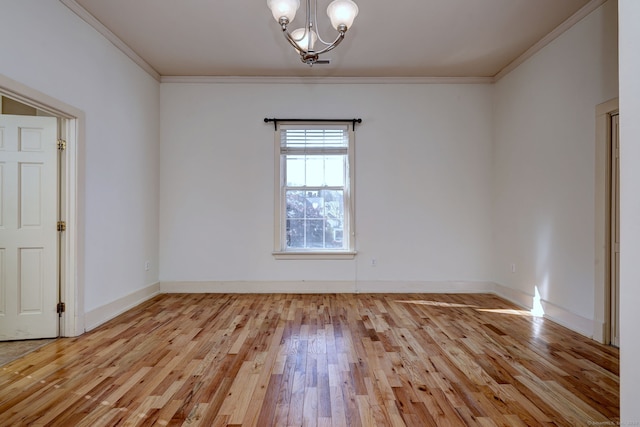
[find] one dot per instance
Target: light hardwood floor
(317, 360)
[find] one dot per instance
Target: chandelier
(341, 14)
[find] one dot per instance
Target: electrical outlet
(513, 268)
(147, 265)
(373, 262)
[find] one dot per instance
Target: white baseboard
(104, 313)
(517, 297)
(320, 287)
(257, 287)
(553, 312)
(570, 320)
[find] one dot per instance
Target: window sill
(315, 255)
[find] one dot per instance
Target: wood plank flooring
(317, 360)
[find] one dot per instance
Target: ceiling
(399, 38)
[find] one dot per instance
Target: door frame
(602, 285)
(71, 197)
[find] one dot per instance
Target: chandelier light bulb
(342, 12)
(283, 9)
(301, 37)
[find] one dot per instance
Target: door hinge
(62, 144)
(61, 308)
(62, 226)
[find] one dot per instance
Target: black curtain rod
(275, 121)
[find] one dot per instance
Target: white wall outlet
(513, 268)
(147, 265)
(374, 262)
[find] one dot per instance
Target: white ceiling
(399, 38)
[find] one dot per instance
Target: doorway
(70, 275)
(614, 235)
(606, 296)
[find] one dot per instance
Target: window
(314, 200)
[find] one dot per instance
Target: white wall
(544, 167)
(423, 162)
(45, 46)
(629, 210)
(427, 148)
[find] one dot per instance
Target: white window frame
(280, 250)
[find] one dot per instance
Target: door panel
(30, 280)
(30, 195)
(28, 227)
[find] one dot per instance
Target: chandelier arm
(292, 41)
(284, 23)
(315, 21)
(331, 46)
(315, 18)
(324, 42)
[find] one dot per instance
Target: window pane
(295, 171)
(334, 204)
(315, 234)
(295, 233)
(296, 201)
(334, 216)
(315, 171)
(314, 207)
(334, 170)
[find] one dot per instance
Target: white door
(28, 227)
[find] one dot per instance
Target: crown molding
(557, 32)
(109, 35)
(325, 80)
(117, 42)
